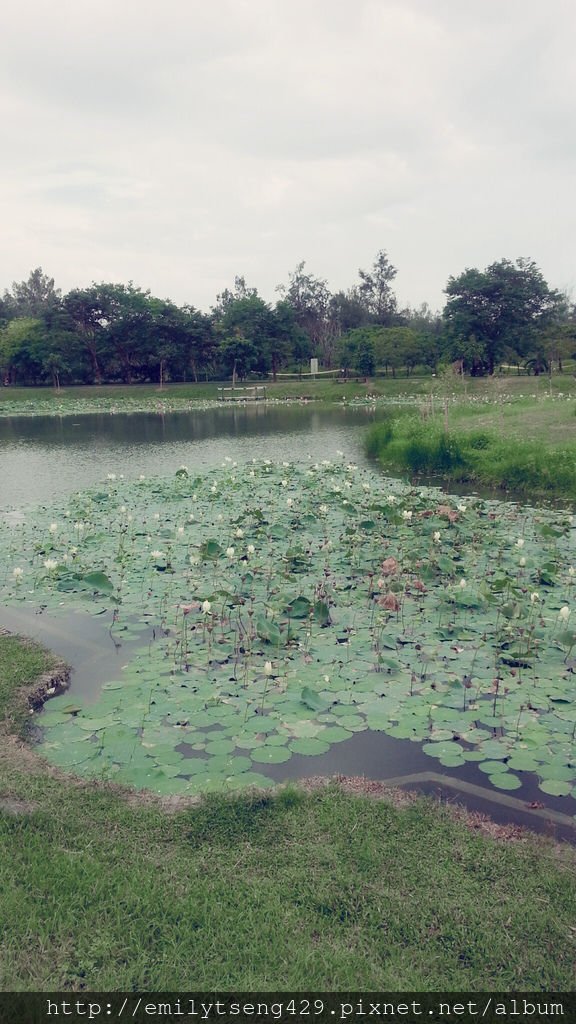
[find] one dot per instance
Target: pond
(45, 456)
(43, 459)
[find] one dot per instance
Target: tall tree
(505, 307)
(347, 311)
(375, 290)
(246, 325)
(240, 291)
(35, 297)
(309, 297)
(89, 312)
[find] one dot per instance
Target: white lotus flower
(239, 533)
(522, 561)
(250, 549)
(572, 571)
(17, 573)
(534, 597)
(53, 528)
(520, 542)
(206, 607)
(50, 564)
(230, 552)
(462, 584)
(156, 554)
(267, 668)
(564, 613)
(111, 476)
(436, 537)
(407, 515)
(461, 508)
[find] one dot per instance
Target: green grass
(295, 891)
(179, 395)
(526, 445)
(326, 390)
(20, 663)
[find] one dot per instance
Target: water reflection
(43, 456)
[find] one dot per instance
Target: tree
(21, 349)
(238, 354)
(375, 290)
(506, 306)
(356, 351)
(347, 312)
(241, 291)
(36, 297)
(287, 340)
(89, 312)
(246, 323)
(129, 330)
(309, 297)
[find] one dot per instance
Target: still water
(43, 457)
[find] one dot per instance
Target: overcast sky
(179, 143)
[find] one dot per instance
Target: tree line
(505, 314)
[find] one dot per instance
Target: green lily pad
(309, 746)
(555, 787)
(493, 767)
(505, 780)
(271, 755)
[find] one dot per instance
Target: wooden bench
(248, 394)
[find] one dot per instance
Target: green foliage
(291, 607)
(502, 308)
(117, 332)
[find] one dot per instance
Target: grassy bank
(179, 396)
(322, 890)
(527, 446)
(474, 392)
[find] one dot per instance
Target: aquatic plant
(282, 609)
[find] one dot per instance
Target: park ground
(329, 888)
(340, 886)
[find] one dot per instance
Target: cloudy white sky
(181, 142)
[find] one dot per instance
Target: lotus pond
(279, 609)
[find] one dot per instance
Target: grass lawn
(506, 436)
(321, 890)
(74, 399)
(150, 396)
